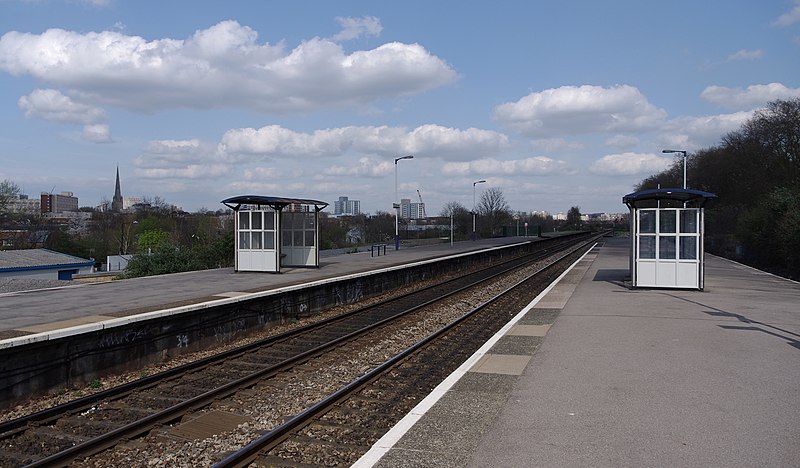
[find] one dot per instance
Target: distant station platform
(594, 373)
(81, 307)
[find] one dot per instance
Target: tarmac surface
(594, 374)
(28, 312)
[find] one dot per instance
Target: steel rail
(250, 453)
(44, 416)
(96, 444)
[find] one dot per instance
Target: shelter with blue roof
(667, 237)
(272, 232)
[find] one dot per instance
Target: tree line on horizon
(755, 174)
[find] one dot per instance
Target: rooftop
(37, 258)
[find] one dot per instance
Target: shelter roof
(38, 258)
(689, 196)
(277, 203)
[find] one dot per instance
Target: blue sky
(558, 104)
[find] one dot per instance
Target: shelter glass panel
(689, 221)
(688, 247)
(309, 220)
(647, 247)
(244, 220)
(647, 221)
(309, 238)
(269, 220)
(297, 220)
(256, 219)
(269, 240)
(666, 222)
(256, 240)
(298, 238)
(244, 240)
(286, 238)
(666, 247)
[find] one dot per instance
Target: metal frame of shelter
(269, 236)
(667, 237)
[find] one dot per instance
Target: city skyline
(542, 101)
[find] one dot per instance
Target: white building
(25, 205)
(345, 206)
(410, 210)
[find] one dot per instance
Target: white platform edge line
(385, 443)
(105, 324)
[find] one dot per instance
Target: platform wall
(56, 364)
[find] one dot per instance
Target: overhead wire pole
(397, 204)
(474, 236)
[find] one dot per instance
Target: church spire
(116, 202)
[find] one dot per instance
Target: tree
(574, 218)
(494, 209)
(755, 173)
(8, 192)
(462, 219)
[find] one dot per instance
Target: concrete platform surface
(623, 378)
(25, 312)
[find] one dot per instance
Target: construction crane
(422, 205)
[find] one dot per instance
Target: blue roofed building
(42, 264)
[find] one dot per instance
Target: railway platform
(79, 307)
(594, 373)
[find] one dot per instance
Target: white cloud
(191, 171)
(97, 133)
(789, 18)
(752, 96)
(50, 104)
(629, 164)
(365, 167)
(353, 28)
(746, 55)
(539, 165)
(426, 140)
(173, 146)
(694, 132)
(580, 109)
(222, 66)
(622, 141)
(191, 159)
(551, 145)
(261, 173)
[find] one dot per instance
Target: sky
(557, 104)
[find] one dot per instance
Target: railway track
(77, 430)
(338, 430)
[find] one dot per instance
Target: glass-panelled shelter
(667, 237)
(272, 232)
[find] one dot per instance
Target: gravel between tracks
(266, 406)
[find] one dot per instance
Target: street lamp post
(397, 205)
(684, 162)
(474, 236)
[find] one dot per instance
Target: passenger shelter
(667, 237)
(272, 232)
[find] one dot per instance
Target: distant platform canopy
(272, 232)
(276, 203)
(696, 198)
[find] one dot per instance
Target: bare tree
(8, 192)
(493, 208)
(462, 218)
(574, 218)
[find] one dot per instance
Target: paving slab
(634, 377)
(49, 309)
